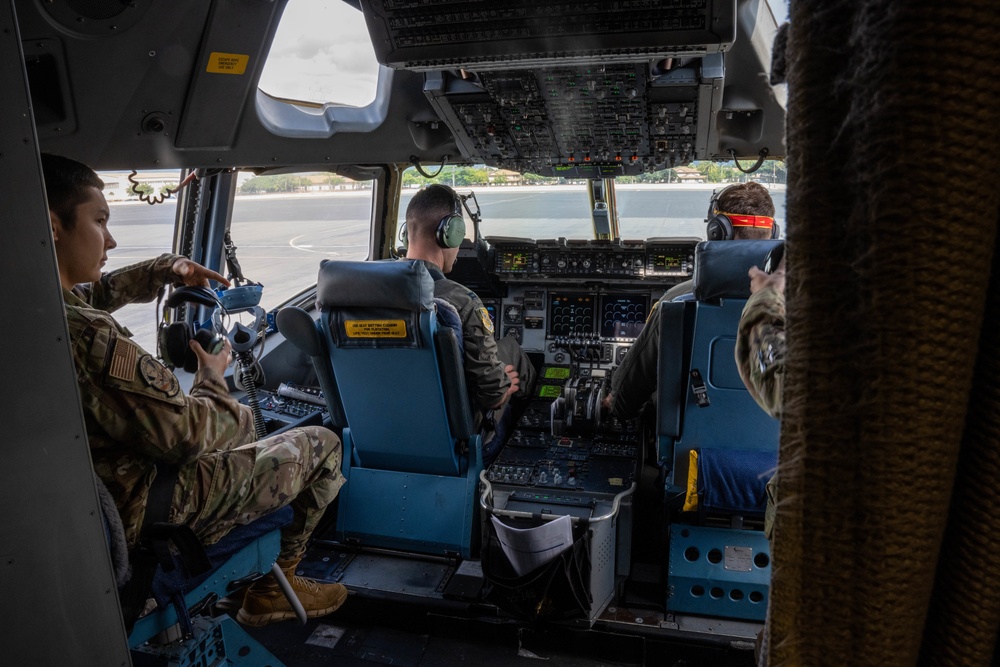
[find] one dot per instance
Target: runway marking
(309, 247)
(500, 201)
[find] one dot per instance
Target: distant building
(503, 177)
(117, 186)
(688, 175)
(326, 182)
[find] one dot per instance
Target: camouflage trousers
(770, 508)
(225, 489)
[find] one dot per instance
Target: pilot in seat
(494, 371)
(148, 437)
(743, 211)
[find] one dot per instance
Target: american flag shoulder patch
(123, 360)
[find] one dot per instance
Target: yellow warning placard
(375, 328)
(227, 63)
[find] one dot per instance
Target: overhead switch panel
(488, 35)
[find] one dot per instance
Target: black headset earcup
(720, 228)
(403, 236)
(775, 231)
(207, 339)
(174, 343)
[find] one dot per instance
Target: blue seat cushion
(733, 480)
(166, 584)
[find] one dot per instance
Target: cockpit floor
(365, 631)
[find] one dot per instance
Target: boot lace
(303, 584)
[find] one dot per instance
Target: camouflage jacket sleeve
(635, 380)
(760, 348)
(137, 283)
(484, 372)
(134, 405)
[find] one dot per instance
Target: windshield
(671, 203)
(282, 227)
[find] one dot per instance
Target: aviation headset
(172, 338)
(450, 231)
(720, 225)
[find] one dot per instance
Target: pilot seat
(717, 445)
(411, 456)
(186, 580)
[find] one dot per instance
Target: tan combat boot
(265, 603)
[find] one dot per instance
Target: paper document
(529, 548)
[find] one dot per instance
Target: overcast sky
(322, 53)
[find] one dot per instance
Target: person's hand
(219, 361)
(194, 274)
(515, 384)
(759, 280)
(608, 400)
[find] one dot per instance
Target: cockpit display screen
(623, 315)
(571, 314)
(549, 391)
(556, 373)
(665, 262)
(670, 261)
(514, 261)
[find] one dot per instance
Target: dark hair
(747, 199)
(427, 208)
(66, 183)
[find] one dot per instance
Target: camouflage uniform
(136, 415)
(760, 357)
(760, 348)
(485, 359)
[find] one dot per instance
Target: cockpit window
(142, 232)
(512, 204)
(670, 203)
(283, 225)
(322, 54)
(779, 8)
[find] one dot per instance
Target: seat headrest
(403, 284)
(720, 267)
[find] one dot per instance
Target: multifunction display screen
(571, 315)
(622, 315)
(663, 262)
(515, 261)
(549, 391)
(670, 261)
(556, 373)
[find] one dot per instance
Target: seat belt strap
(161, 493)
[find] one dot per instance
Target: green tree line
(286, 183)
(773, 171)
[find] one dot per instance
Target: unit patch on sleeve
(123, 360)
(157, 376)
(484, 315)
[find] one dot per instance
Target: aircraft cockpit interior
(567, 131)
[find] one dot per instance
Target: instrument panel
(581, 301)
(525, 259)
